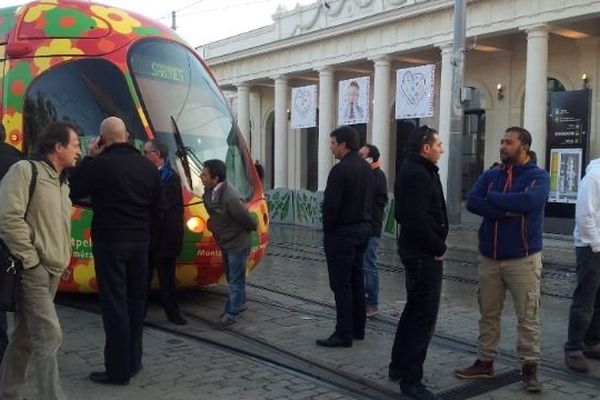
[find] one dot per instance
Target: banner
(414, 92)
(353, 101)
(565, 174)
(304, 107)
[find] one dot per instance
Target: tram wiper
(182, 152)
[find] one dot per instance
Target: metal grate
(481, 386)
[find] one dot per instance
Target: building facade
(517, 52)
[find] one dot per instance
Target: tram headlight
(195, 224)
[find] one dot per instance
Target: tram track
(208, 333)
(312, 253)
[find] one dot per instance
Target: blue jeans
(371, 273)
(584, 318)
(234, 264)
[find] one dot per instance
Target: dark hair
(53, 134)
(348, 135)
(373, 152)
(160, 146)
(355, 84)
(422, 136)
(2, 133)
(524, 135)
(216, 168)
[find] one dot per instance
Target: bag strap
(32, 184)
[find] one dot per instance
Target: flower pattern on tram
(120, 20)
(52, 54)
(35, 13)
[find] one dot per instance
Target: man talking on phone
(126, 195)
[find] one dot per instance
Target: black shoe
(334, 341)
(417, 391)
(102, 378)
(394, 376)
(359, 337)
(177, 319)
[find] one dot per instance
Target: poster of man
(353, 104)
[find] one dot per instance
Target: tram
(81, 62)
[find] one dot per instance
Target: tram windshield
(173, 84)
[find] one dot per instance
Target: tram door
(473, 145)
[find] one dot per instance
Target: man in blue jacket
(511, 198)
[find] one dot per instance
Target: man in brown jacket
(38, 231)
(231, 224)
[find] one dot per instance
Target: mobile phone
(100, 141)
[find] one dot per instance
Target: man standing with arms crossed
(347, 207)
(421, 212)
(584, 318)
(126, 196)
(38, 231)
(511, 199)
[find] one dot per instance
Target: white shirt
(587, 209)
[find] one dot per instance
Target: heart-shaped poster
(413, 87)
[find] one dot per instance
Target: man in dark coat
(126, 196)
(421, 212)
(347, 206)
(8, 156)
(380, 197)
(167, 235)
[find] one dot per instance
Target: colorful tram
(81, 62)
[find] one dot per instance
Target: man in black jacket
(167, 233)
(421, 213)
(8, 156)
(347, 225)
(380, 197)
(126, 196)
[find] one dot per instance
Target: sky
(203, 21)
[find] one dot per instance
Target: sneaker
(479, 369)
(529, 378)
(592, 351)
(227, 320)
(372, 311)
(576, 363)
(417, 391)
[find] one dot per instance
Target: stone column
(381, 110)
(326, 124)
(536, 76)
(589, 64)
(445, 114)
(281, 132)
(243, 104)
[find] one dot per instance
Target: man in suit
(126, 196)
(167, 235)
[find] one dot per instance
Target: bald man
(126, 195)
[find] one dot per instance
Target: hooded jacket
(587, 210)
(511, 200)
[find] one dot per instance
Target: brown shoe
(576, 363)
(372, 311)
(479, 369)
(529, 378)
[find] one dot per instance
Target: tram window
(82, 92)
(171, 81)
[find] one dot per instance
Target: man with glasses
(421, 213)
(511, 199)
(167, 232)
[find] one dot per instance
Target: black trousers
(417, 323)
(165, 267)
(3, 334)
(344, 251)
(122, 274)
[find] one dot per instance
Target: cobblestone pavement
(280, 315)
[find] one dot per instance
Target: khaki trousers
(522, 278)
(35, 339)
